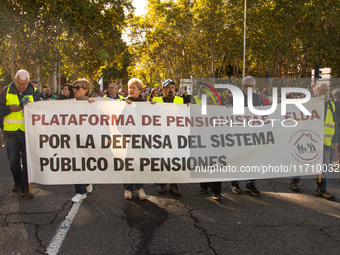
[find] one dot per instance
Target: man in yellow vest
(169, 97)
(113, 89)
(169, 90)
(330, 141)
(12, 100)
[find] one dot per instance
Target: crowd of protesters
(148, 93)
(22, 90)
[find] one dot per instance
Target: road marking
(58, 239)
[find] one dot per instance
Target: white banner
(114, 142)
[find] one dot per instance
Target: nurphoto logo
(238, 107)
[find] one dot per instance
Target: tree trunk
(213, 55)
(54, 76)
(37, 72)
(12, 61)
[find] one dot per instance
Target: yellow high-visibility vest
(120, 97)
(177, 100)
(15, 120)
(329, 125)
(197, 100)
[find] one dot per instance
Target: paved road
(277, 222)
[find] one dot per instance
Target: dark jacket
(337, 110)
(257, 100)
(4, 109)
(62, 97)
(186, 99)
(138, 99)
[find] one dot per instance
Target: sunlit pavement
(277, 222)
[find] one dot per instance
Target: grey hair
(22, 75)
(138, 82)
(114, 84)
(336, 92)
(249, 78)
(319, 85)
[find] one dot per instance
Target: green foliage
(201, 38)
(5, 79)
(175, 39)
(83, 36)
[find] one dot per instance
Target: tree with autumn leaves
(177, 39)
(82, 36)
(204, 38)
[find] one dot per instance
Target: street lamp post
(244, 38)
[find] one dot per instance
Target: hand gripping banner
(74, 142)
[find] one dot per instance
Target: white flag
(100, 82)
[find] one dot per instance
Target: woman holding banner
(135, 87)
(81, 89)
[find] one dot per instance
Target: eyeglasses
(247, 86)
(21, 84)
(77, 87)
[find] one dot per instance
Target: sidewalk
(278, 222)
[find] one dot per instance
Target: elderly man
(49, 95)
(113, 89)
(12, 100)
(330, 141)
(247, 82)
(169, 89)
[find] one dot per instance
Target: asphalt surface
(279, 221)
